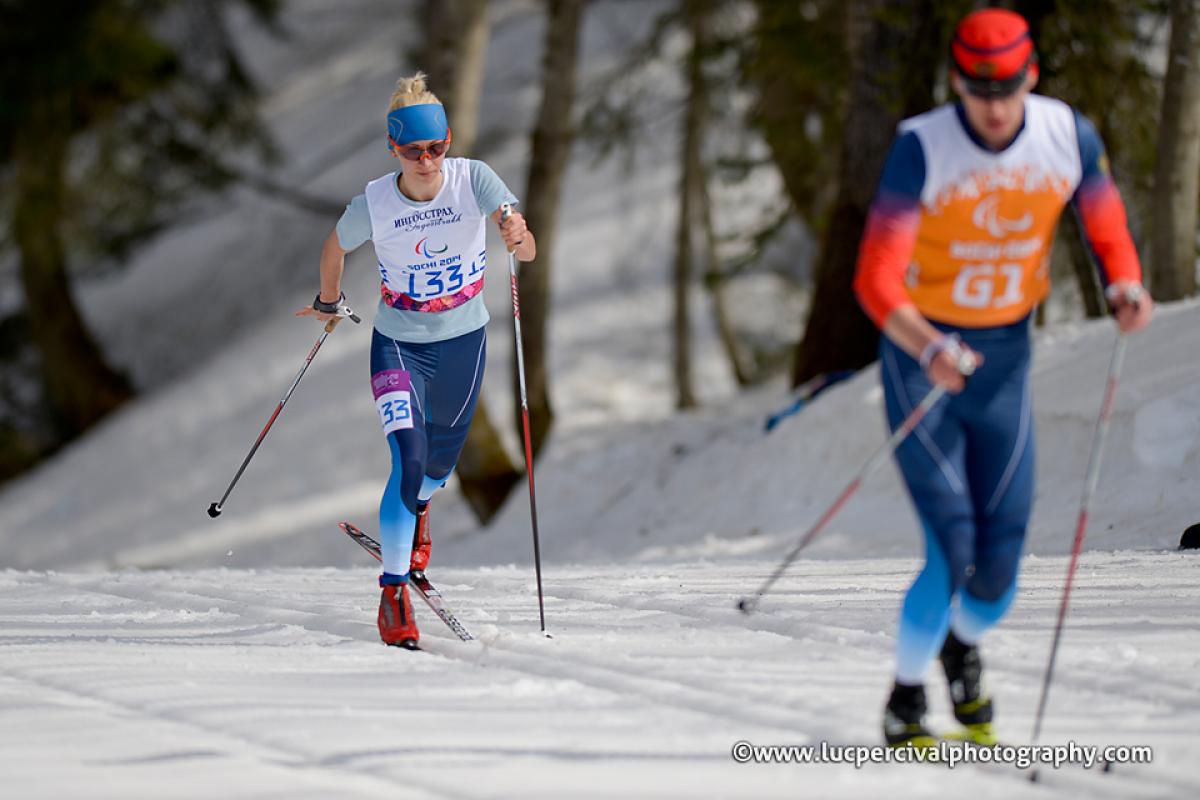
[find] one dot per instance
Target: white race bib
(395, 411)
(393, 399)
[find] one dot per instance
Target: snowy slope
(711, 484)
(702, 485)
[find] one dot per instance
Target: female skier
(428, 223)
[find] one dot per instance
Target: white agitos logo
(987, 216)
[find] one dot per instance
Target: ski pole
(216, 508)
(805, 393)
(505, 213)
(748, 604)
(1089, 485)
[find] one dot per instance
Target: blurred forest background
(117, 115)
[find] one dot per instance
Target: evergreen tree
(113, 112)
(896, 53)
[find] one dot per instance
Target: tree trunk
(691, 170)
(80, 387)
(715, 278)
(486, 472)
(553, 135)
(893, 69)
(456, 36)
(1177, 173)
(681, 357)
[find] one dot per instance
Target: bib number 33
(395, 411)
(393, 399)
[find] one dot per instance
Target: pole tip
(214, 511)
(745, 605)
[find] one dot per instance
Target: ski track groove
(805, 631)
(611, 680)
(256, 613)
(1032, 675)
(508, 652)
(267, 753)
(505, 652)
(294, 756)
(1116, 783)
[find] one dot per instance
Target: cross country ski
(416, 579)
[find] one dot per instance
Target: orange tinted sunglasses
(412, 152)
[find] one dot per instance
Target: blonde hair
(411, 91)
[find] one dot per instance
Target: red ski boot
(422, 544)
(397, 625)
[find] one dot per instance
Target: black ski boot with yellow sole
(964, 677)
(904, 718)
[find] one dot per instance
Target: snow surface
(148, 651)
(268, 683)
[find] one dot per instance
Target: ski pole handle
(506, 211)
(344, 312)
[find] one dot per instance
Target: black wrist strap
(328, 308)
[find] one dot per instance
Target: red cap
(992, 45)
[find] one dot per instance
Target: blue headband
(415, 123)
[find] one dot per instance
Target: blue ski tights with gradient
(426, 395)
(969, 470)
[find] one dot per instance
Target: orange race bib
(982, 255)
(987, 219)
